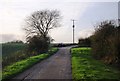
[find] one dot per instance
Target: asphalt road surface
(58, 66)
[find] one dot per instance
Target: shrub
(38, 44)
(86, 42)
(106, 42)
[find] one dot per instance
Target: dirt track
(58, 66)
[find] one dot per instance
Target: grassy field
(10, 48)
(85, 67)
(18, 67)
(13, 52)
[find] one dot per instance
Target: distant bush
(86, 42)
(63, 44)
(16, 41)
(106, 42)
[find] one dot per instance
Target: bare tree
(41, 22)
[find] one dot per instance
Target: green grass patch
(18, 67)
(84, 67)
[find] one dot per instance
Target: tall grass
(20, 66)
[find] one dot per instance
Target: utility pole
(73, 30)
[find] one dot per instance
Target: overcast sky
(86, 14)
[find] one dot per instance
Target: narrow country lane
(58, 66)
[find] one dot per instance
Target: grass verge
(18, 67)
(85, 68)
